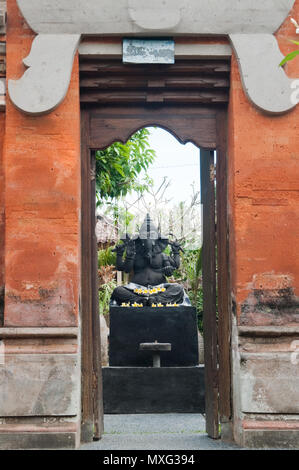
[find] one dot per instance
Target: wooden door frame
(130, 120)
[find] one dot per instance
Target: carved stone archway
(249, 24)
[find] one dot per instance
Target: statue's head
(149, 237)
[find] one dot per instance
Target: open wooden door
(91, 384)
(210, 334)
(216, 295)
(179, 105)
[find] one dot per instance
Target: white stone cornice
(60, 24)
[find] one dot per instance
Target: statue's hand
(131, 249)
(168, 270)
(176, 247)
(120, 249)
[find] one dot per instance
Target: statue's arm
(175, 260)
(175, 255)
(119, 257)
(128, 264)
(168, 267)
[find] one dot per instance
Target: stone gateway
(227, 94)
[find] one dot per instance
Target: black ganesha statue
(144, 257)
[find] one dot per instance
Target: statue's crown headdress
(148, 229)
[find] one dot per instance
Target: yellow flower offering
(160, 305)
(154, 305)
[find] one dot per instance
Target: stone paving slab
(156, 432)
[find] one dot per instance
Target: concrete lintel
(106, 50)
(249, 25)
(42, 332)
(173, 17)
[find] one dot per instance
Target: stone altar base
(132, 390)
(131, 326)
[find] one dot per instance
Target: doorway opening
(205, 126)
(166, 194)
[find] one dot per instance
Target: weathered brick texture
(264, 189)
(42, 170)
(2, 222)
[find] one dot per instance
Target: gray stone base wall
(39, 388)
(266, 384)
(271, 439)
(38, 441)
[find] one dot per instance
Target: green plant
(291, 55)
(105, 292)
(190, 273)
(107, 283)
(106, 257)
(197, 301)
(118, 167)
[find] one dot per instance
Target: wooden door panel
(197, 125)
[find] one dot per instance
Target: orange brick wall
(42, 170)
(264, 201)
(2, 212)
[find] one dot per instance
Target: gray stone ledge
(287, 417)
(46, 332)
(270, 331)
(281, 356)
(106, 50)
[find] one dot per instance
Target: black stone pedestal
(131, 390)
(131, 326)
